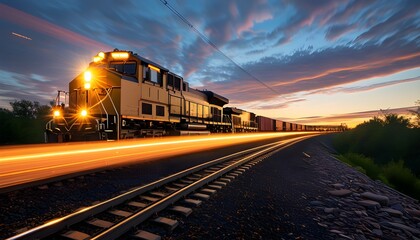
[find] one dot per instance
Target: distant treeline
(385, 148)
(24, 124)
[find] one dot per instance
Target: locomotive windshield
(126, 68)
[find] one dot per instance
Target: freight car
(278, 125)
(265, 124)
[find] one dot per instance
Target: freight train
(123, 95)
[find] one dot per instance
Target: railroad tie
(169, 223)
(200, 196)
(75, 235)
(100, 223)
(137, 204)
(181, 210)
(193, 202)
(218, 187)
(208, 191)
(145, 235)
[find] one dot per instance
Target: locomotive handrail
(106, 112)
(116, 112)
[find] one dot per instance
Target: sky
(312, 62)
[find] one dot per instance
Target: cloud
(307, 71)
(275, 104)
(363, 88)
(360, 116)
(337, 31)
(352, 9)
(20, 86)
(308, 13)
(222, 26)
(408, 11)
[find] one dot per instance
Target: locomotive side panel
(130, 98)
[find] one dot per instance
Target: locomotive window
(187, 108)
(200, 110)
(177, 83)
(130, 68)
(152, 75)
(160, 111)
(127, 68)
(170, 80)
(217, 114)
(205, 111)
(193, 109)
(146, 108)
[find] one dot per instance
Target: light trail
(23, 164)
(21, 36)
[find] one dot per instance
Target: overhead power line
(208, 41)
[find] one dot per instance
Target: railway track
(129, 214)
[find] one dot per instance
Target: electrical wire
(208, 41)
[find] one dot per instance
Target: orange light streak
(21, 36)
(22, 164)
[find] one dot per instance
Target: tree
(416, 115)
(395, 120)
(29, 110)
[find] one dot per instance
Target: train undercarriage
(69, 129)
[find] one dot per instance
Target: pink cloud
(354, 118)
(251, 19)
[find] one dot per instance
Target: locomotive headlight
(120, 55)
(99, 57)
(56, 113)
(83, 113)
(88, 78)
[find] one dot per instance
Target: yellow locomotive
(123, 95)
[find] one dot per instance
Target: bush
(393, 174)
(383, 140)
(24, 124)
(402, 178)
(16, 130)
(373, 146)
(362, 163)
